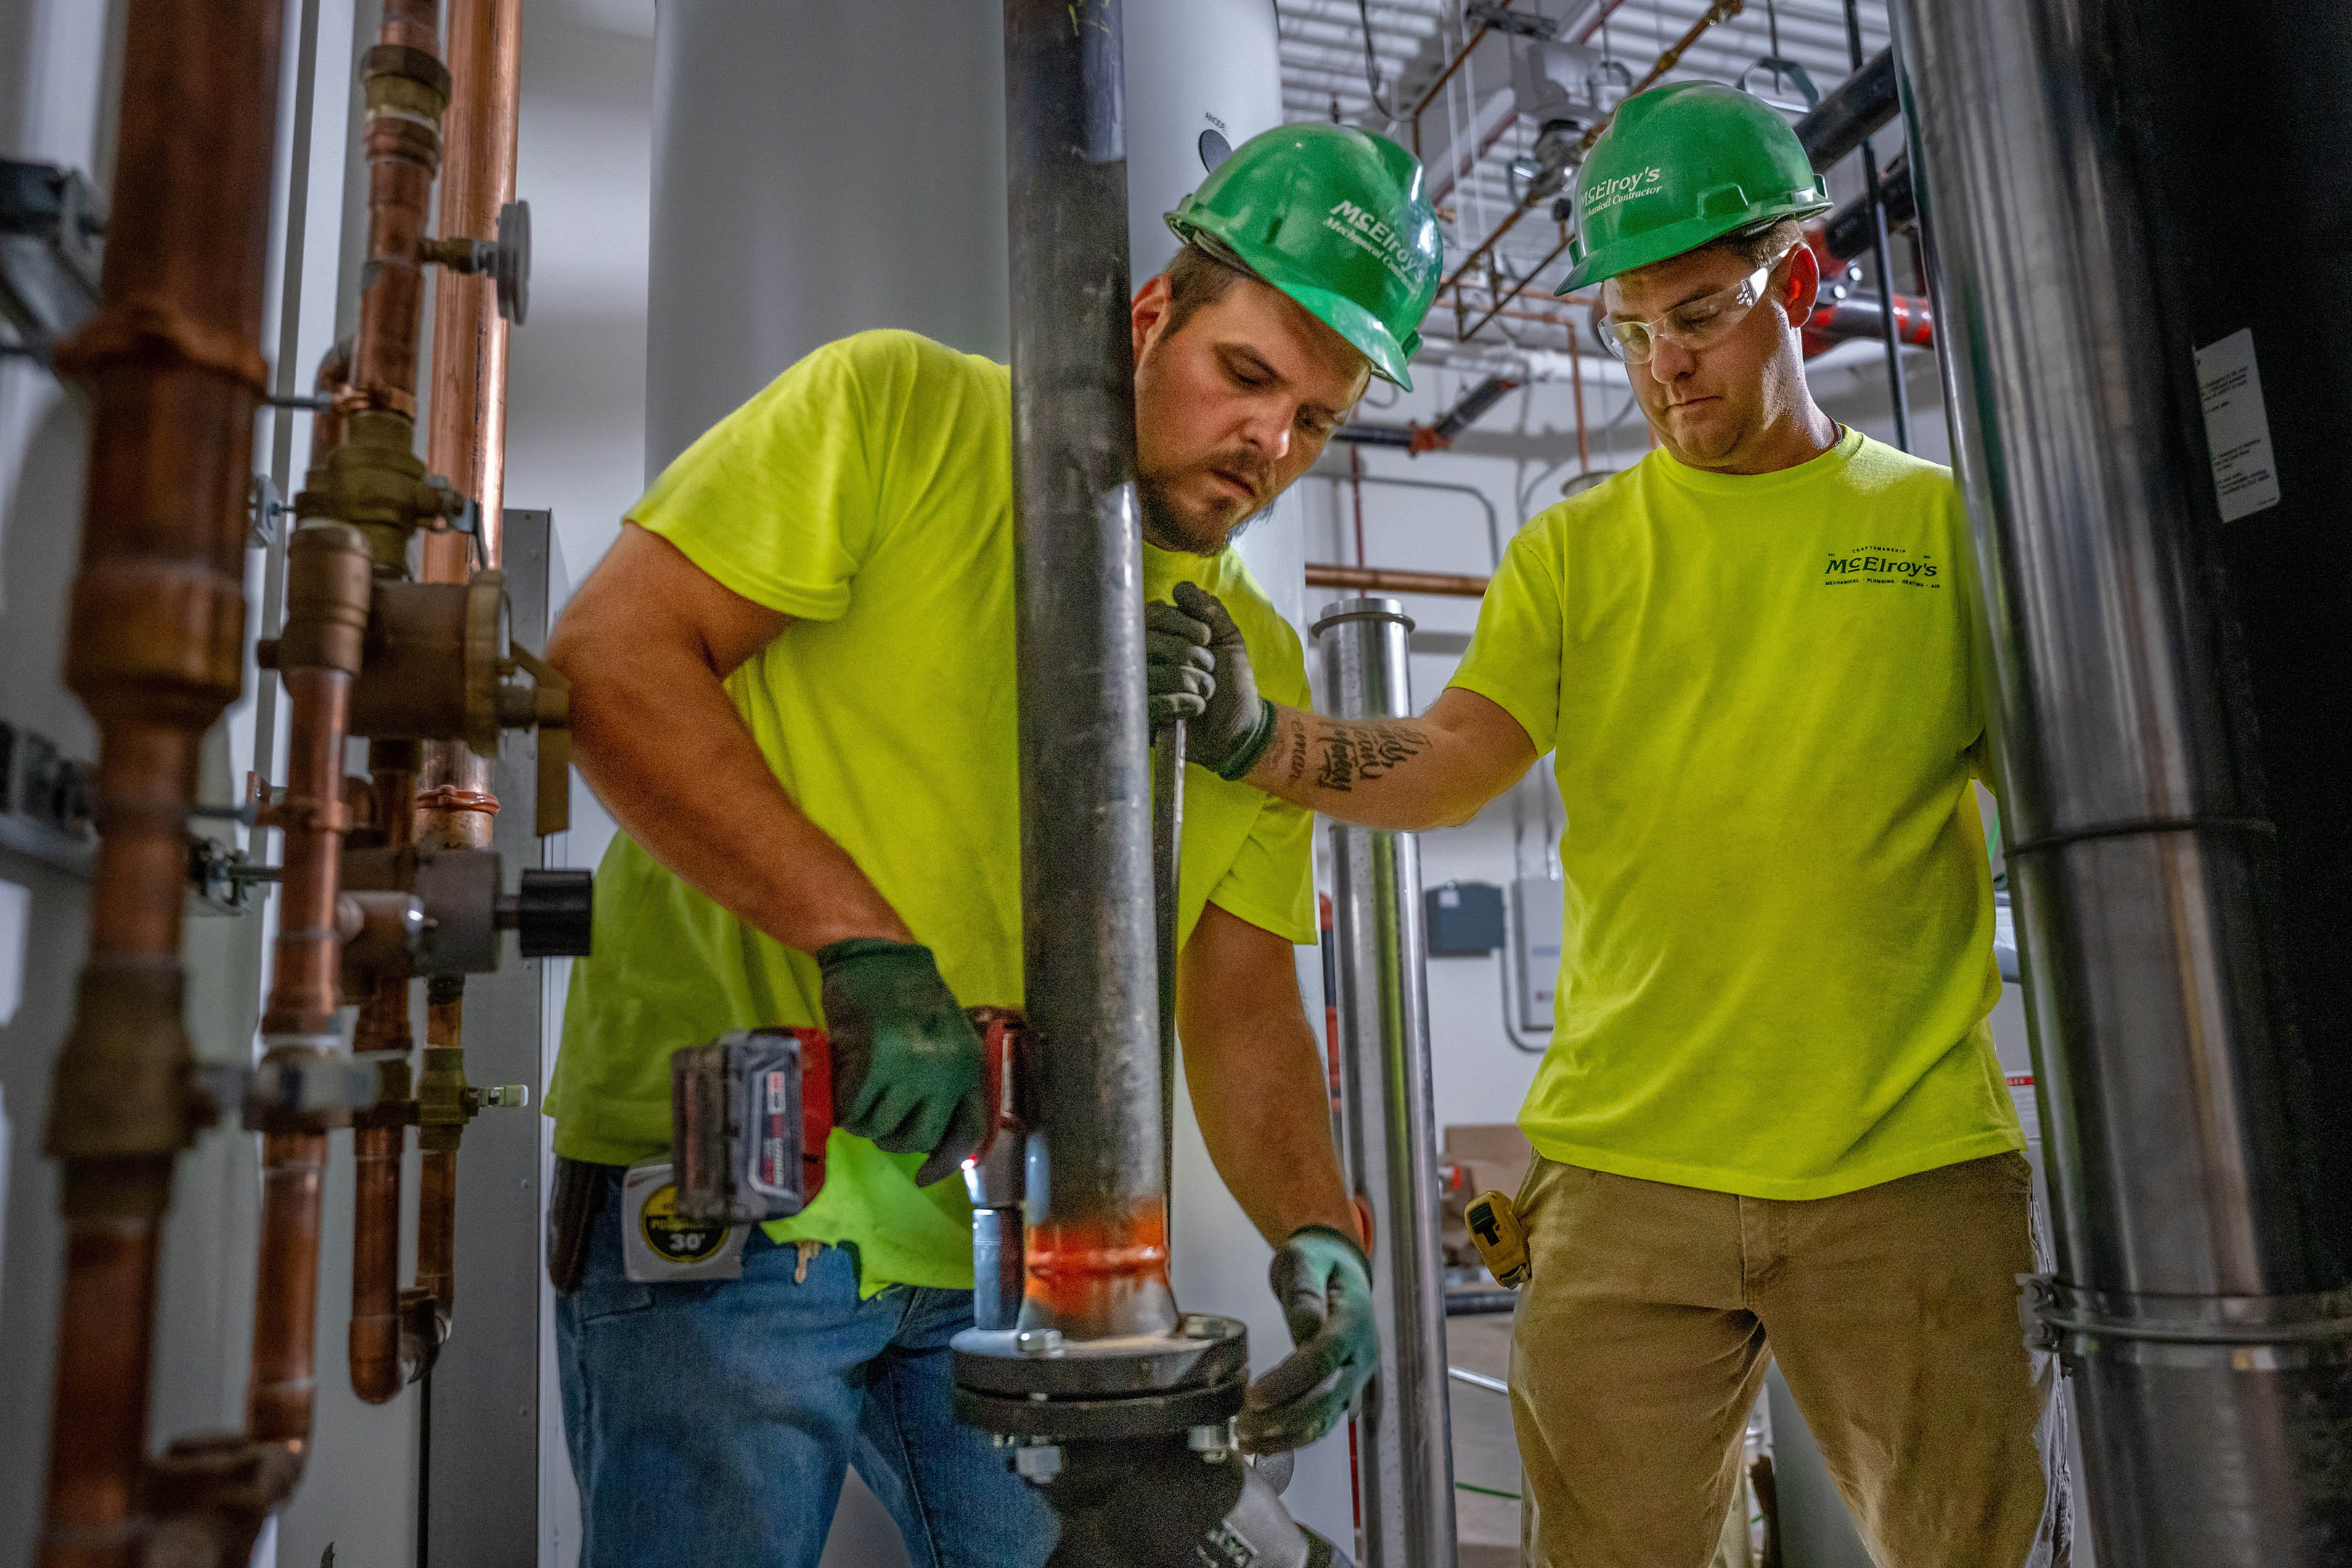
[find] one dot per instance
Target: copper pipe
(441, 1123)
(328, 577)
(173, 369)
(1382, 580)
(436, 1229)
(466, 432)
(1583, 448)
(379, 1134)
(286, 1298)
(407, 89)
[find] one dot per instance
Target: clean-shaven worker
(1770, 1121)
(793, 683)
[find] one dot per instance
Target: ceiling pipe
(155, 651)
(1851, 111)
(1388, 580)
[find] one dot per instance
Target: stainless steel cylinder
(1404, 1461)
(2152, 660)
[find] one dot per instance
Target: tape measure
(660, 1241)
(1500, 1235)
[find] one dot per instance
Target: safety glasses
(1696, 324)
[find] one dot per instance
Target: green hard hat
(1682, 165)
(1334, 217)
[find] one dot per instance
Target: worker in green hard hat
(791, 683)
(1770, 1122)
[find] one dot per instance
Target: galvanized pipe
(1098, 1241)
(2178, 837)
(1404, 1461)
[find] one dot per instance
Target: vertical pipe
(1404, 1461)
(1898, 394)
(2093, 177)
(1167, 870)
(1098, 1242)
(379, 1132)
(466, 430)
(173, 367)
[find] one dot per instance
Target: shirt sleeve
(1271, 883)
(1514, 658)
(778, 500)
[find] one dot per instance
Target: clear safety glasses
(1696, 324)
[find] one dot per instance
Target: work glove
(907, 1063)
(1325, 1283)
(1200, 669)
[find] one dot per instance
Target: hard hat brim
(1678, 239)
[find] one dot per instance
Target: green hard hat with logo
(1334, 217)
(1680, 166)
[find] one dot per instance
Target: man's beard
(1169, 526)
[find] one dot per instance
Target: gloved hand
(1180, 672)
(1325, 1286)
(1194, 641)
(907, 1063)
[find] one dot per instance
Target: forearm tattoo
(1348, 754)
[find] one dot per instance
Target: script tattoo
(1359, 754)
(1297, 727)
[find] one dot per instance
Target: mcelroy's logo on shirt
(1884, 564)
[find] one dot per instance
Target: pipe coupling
(156, 639)
(330, 583)
(123, 1087)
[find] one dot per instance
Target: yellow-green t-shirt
(867, 492)
(1777, 962)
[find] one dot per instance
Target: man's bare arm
(1435, 770)
(1257, 1078)
(647, 643)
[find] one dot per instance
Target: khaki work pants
(1643, 1336)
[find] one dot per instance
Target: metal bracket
(279, 1091)
(1777, 67)
(1525, 24)
(52, 226)
(263, 506)
(45, 810)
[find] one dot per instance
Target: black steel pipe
(1849, 112)
(1846, 232)
(1098, 1241)
(1898, 396)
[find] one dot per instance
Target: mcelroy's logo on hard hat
(1368, 231)
(1600, 196)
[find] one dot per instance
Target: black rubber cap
(554, 913)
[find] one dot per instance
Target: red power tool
(751, 1112)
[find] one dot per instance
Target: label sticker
(2237, 430)
(671, 1235)
(16, 930)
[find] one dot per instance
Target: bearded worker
(1770, 1122)
(793, 683)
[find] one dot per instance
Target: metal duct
(2138, 215)
(1404, 1461)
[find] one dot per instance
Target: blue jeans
(710, 1425)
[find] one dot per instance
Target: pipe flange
(1038, 1384)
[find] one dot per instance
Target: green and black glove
(907, 1063)
(1325, 1283)
(1200, 672)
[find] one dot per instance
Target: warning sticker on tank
(2237, 430)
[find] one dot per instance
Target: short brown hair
(1196, 279)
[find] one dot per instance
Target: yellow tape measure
(1500, 1236)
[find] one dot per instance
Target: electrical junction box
(1538, 916)
(1464, 919)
